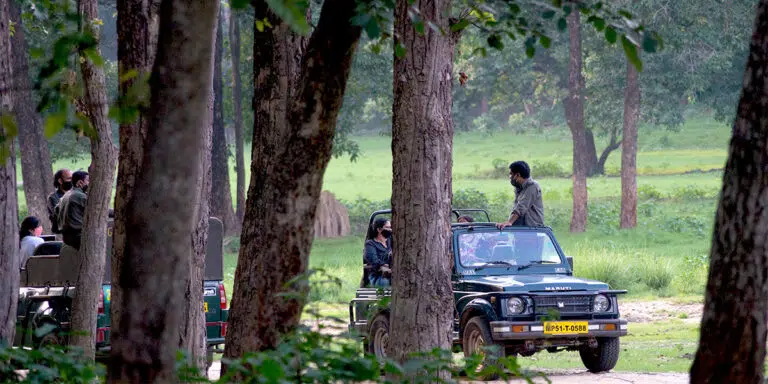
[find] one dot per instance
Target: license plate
(565, 327)
(205, 306)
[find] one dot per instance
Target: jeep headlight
(601, 304)
(515, 306)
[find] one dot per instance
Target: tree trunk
(574, 115)
(9, 216)
(733, 326)
(629, 150)
(290, 154)
(613, 145)
(102, 173)
(137, 24)
(35, 156)
(590, 149)
(163, 215)
(221, 201)
(192, 335)
(422, 142)
(237, 95)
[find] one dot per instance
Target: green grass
(667, 346)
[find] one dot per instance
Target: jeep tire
(378, 336)
(604, 357)
(477, 334)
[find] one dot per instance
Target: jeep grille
(562, 304)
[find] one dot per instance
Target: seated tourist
(29, 238)
(378, 254)
(465, 219)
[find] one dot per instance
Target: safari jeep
(513, 288)
(47, 288)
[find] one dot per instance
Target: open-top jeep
(513, 288)
(47, 288)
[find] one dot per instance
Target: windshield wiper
(532, 263)
(495, 262)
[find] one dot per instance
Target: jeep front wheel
(604, 357)
(378, 342)
(477, 338)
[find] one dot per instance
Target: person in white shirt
(29, 238)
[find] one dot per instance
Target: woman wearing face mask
(29, 237)
(378, 253)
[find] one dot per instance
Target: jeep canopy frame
(457, 212)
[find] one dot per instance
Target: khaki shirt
(71, 210)
(529, 205)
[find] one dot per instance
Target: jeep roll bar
(457, 212)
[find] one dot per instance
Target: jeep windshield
(510, 250)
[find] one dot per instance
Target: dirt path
(582, 376)
(660, 310)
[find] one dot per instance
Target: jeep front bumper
(526, 330)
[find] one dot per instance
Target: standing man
(529, 208)
(62, 181)
(71, 209)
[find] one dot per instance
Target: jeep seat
(52, 270)
(503, 252)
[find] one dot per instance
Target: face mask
(66, 186)
(514, 183)
(85, 188)
(386, 233)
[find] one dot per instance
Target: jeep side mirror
(570, 261)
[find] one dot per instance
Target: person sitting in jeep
(378, 253)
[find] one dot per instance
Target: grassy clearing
(650, 347)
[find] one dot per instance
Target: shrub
(601, 265)
(469, 198)
(693, 278)
(686, 224)
(652, 272)
(648, 192)
(692, 192)
(53, 364)
(548, 169)
(360, 212)
(500, 169)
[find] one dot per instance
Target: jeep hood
(529, 283)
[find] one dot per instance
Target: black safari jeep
(47, 288)
(513, 288)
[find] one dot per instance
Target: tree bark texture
(35, 157)
(163, 215)
(102, 173)
(237, 95)
(422, 142)
(629, 149)
(574, 115)
(733, 325)
(613, 144)
(221, 201)
(192, 335)
(137, 23)
(591, 160)
(293, 138)
(9, 216)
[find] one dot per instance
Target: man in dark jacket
(71, 209)
(62, 181)
(529, 207)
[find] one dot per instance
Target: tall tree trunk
(137, 24)
(574, 115)
(158, 246)
(422, 142)
(629, 149)
(237, 95)
(732, 340)
(192, 335)
(102, 173)
(287, 170)
(221, 201)
(9, 216)
(35, 157)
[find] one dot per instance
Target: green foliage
(648, 192)
(549, 169)
(653, 273)
(48, 365)
(469, 198)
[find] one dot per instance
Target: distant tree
(35, 157)
(732, 341)
(574, 113)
